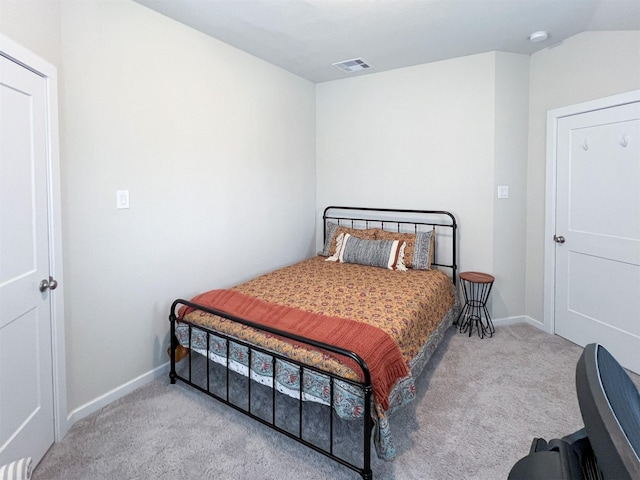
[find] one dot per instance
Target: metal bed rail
(365, 385)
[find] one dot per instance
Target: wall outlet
(503, 191)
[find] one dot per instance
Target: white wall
(35, 25)
(433, 136)
(418, 137)
(587, 66)
(510, 169)
(217, 150)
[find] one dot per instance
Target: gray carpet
(479, 404)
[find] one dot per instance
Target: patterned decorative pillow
(374, 253)
(334, 230)
(18, 470)
(420, 246)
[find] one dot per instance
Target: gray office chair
(608, 448)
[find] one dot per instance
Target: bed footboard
(217, 372)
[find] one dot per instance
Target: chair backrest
(610, 407)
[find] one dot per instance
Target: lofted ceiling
(306, 37)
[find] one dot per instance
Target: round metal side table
(476, 287)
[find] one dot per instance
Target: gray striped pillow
(331, 231)
(374, 253)
(18, 470)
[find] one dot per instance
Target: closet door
(597, 249)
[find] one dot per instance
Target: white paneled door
(26, 376)
(597, 234)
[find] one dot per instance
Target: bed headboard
(404, 221)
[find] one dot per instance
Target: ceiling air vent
(354, 65)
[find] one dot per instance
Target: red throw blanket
(373, 345)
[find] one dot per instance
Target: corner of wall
(511, 112)
(585, 67)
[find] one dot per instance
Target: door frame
(29, 60)
(553, 116)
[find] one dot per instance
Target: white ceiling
(306, 37)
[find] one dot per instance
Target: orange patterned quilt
(406, 305)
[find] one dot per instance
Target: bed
(325, 350)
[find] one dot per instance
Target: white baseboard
(118, 392)
(519, 319)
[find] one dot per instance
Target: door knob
(558, 239)
(51, 284)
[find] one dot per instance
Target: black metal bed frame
(354, 220)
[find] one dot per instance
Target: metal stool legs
(476, 295)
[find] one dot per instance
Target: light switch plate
(122, 199)
(503, 191)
